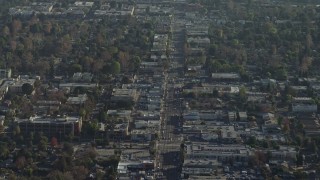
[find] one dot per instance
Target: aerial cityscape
(159, 89)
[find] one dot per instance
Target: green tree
(136, 62)
(91, 128)
(215, 93)
(68, 148)
(252, 141)
(1, 128)
(112, 68)
(115, 66)
(4, 150)
(42, 145)
(242, 93)
(76, 68)
(27, 88)
(35, 28)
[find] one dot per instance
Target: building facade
(51, 126)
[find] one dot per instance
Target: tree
(47, 27)
(136, 61)
(61, 164)
(90, 128)
(1, 128)
(242, 92)
(306, 62)
(4, 150)
(16, 26)
(76, 68)
(42, 67)
(58, 175)
(112, 68)
(6, 31)
(42, 143)
(28, 44)
(215, 93)
(35, 28)
(68, 148)
(252, 141)
(21, 162)
(16, 130)
(80, 172)
(27, 88)
(123, 59)
(100, 39)
(113, 50)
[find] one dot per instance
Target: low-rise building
(311, 124)
(285, 153)
(78, 100)
(17, 84)
(199, 41)
(148, 134)
(199, 167)
(82, 77)
(72, 86)
(5, 73)
(304, 107)
(32, 8)
(222, 153)
(124, 95)
(57, 127)
(225, 76)
(242, 116)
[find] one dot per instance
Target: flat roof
(58, 120)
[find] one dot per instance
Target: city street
(170, 140)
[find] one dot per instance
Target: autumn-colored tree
(28, 57)
(100, 39)
(230, 5)
(47, 27)
(106, 56)
(113, 50)
(123, 59)
(54, 142)
(34, 19)
(28, 44)
(64, 45)
(309, 41)
(13, 45)
(97, 66)
(16, 26)
(305, 64)
(80, 172)
(86, 63)
(42, 67)
(21, 162)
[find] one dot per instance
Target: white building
(303, 108)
